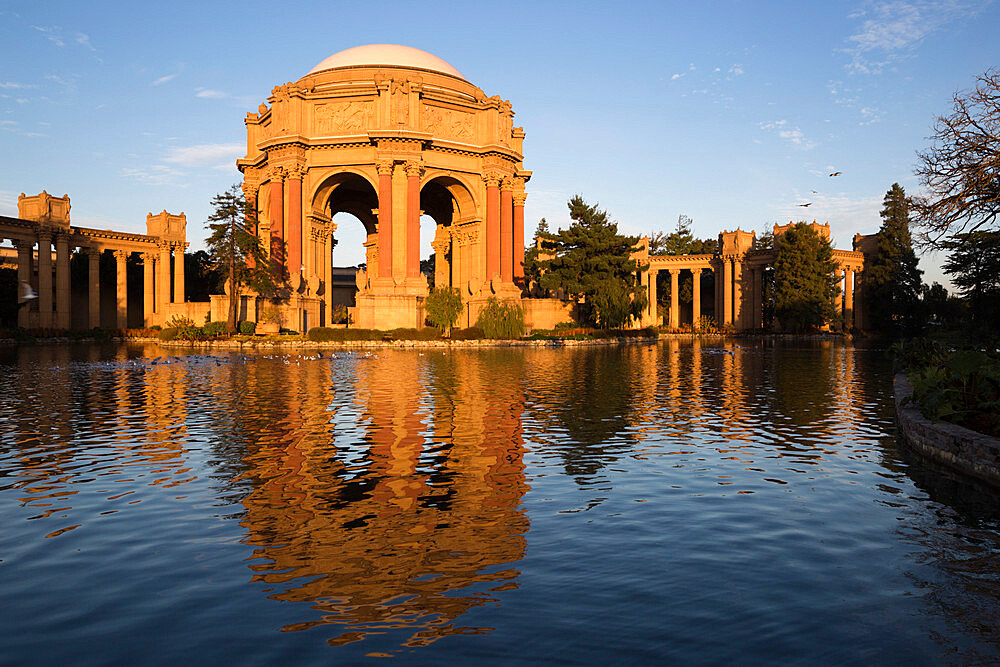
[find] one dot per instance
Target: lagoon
(683, 502)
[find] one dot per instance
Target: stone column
(294, 224)
(727, 292)
(179, 273)
(738, 314)
(675, 299)
(838, 298)
(277, 215)
(651, 277)
(121, 258)
(695, 298)
(850, 320)
(148, 287)
(45, 279)
(412, 219)
(758, 298)
(506, 231)
(24, 253)
(384, 168)
(94, 287)
(492, 226)
(62, 282)
(519, 235)
(163, 293)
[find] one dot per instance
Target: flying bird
(813, 192)
(836, 173)
(26, 293)
(804, 205)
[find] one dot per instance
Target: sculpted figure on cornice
(400, 101)
(343, 117)
(447, 123)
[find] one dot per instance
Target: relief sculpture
(448, 123)
(343, 117)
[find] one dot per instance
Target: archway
(446, 204)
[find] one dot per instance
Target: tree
(974, 264)
(894, 285)
(443, 306)
(804, 283)
(201, 279)
(590, 257)
(960, 172)
(532, 268)
(680, 242)
(237, 254)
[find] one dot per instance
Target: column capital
(491, 180)
(148, 257)
(122, 255)
(277, 174)
(44, 235)
(91, 251)
(519, 198)
(249, 190)
(507, 183)
(696, 272)
(673, 271)
(413, 168)
(297, 171)
(384, 167)
(24, 244)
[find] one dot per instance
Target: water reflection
(389, 497)
(391, 502)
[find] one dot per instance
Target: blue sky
(732, 113)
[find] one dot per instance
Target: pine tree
(894, 284)
(974, 264)
(237, 254)
(592, 260)
(804, 282)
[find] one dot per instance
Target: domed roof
(389, 55)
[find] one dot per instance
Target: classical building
(387, 133)
(43, 221)
(738, 268)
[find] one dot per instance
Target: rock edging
(355, 344)
(956, 446)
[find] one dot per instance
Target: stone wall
(963, 449)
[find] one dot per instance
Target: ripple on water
(681, 502)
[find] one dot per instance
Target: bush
(414, 334)
(338, 314)
(501, 319)
(191, 333)
(327, 334)
(248, 328)
(472, 333)
(214, 328)
(179, 321)
(170, 333)
(443, 306)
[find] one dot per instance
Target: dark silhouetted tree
(974, 265)
(894, 285)
(804, 284)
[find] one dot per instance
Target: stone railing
(966, 450)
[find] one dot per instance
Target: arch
(347, 191)
(463, 202)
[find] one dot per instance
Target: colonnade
(739, 289)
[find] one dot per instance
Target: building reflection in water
(390, 503)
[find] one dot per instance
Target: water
(651, 504)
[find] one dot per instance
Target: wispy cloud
(847, 215)
(208, 94)
(51, 33)
(891, 31)
(84, 41)
(14, 127)
(793, 135)
(870, 116)
(17, 86)
(205, 155)
(676, 76)
(164, 79)
(157, 174)
(736, 70)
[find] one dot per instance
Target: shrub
(443, 306)
(248, 328)
(501, 319)
(191, 333)
(178, 321)
(472, 333)
(414, 334)
(338, 314)
(327, 334)
(170, 333)
(214, 328)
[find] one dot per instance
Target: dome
(388, 55)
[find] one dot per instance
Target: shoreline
(269, 342)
